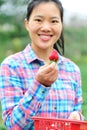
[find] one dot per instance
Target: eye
(38, 20)
(55, 21)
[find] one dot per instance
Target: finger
(50, 67)
(53, 76)
(44, 66)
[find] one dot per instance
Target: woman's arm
(19, 105)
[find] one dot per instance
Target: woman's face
(44, 26)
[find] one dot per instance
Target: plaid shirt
(23, 97)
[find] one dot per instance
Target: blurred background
(14, 37)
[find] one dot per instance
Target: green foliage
(75, 41)
(1, 2)
(2, 127)
(20, 2)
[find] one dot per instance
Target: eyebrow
(54, 17)
(38, 16)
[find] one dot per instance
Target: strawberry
(53, 56)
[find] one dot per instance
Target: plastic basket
(41, 123)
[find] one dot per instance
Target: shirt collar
(30, 55)
(62, 59)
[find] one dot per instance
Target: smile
(45, 37)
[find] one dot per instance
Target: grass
(82, 63)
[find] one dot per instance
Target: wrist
(81, 116)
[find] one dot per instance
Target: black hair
(59, 45)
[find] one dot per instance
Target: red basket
(41, 123)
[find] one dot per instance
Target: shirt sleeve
(78, 99)
(18, 107)
(78, 91)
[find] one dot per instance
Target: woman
(29, 84)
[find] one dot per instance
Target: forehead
(46, 8)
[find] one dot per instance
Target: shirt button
(55, 108)
(43, 91)
(39, 105)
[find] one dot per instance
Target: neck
(43, 53)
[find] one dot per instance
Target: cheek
(32, 27)
(58, 31)
(32, 31)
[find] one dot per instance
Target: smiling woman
(29, 84)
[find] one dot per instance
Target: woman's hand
(47, 74)
(74, 116)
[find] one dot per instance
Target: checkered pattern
(23, 97)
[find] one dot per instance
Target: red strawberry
(54, 56)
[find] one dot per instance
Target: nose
(46, 27)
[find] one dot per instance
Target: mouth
(45, 37)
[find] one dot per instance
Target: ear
(26, 22)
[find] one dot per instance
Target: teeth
(44, 37)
